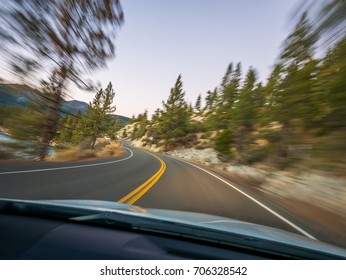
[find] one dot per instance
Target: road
(148, 180)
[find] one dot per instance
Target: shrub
(223, 145)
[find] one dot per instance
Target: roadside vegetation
(63, 41)
(77, 136)
(103, 148)
(296, 118)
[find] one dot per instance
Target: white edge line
(253, 199)
(69, 167)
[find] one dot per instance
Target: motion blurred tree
(273, 90)
(330, 88)
(25, 123)
(299, 46)
(289, 93)
(245, 111)
(328, 19)
(292, 99)
(66, 38)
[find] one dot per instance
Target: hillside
(312, 176)
(20, 95)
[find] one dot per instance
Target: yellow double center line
(133, 196)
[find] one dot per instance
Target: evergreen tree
(229, 95)
(273, 85)
(329, 19)
(245, 109)
(97, 119)
(65, 132)
(174, 116)
(140, 127)
(210, 99)
(245, 112)
(225, 99)
(219, 120)
(156, 116)
(198, 104)
(292, 101)
(300, 45)
(330, 86)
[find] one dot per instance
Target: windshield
(231, 109)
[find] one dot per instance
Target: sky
(161, 39)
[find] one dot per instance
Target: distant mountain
(20, 95)
(15, 95)
(73, 106)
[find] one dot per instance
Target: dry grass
(110, 150)
(76, 153)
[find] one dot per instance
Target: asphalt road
(147, 180)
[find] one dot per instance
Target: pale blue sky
(196, 38)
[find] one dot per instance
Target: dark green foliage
(67, 132)
(140, 128)
(303, 99)
(211, 99)
(224, 99)
(223, 144)
(330, 88)
(300, 44)
(174, 118)
(98, 120)
(194, 127)
(198, 103)
(245, 109)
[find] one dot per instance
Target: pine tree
(300, 44)
(225, 99)
(272, 88)
(292, 101)
(140, 128)
(330, 86)
(198, 104)
(174, 116)
(329, 20)
(97, 119)
(230, 95)
(245, 111)
(66, 130)
(210, 100)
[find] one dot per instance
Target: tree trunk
(93, 142)
(52, 118)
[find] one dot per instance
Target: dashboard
(37, 238)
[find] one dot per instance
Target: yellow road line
(136, 194)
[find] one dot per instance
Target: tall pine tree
(174, 117)
(97, 119)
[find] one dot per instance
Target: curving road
(148, 180)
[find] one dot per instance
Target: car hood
(213, 223)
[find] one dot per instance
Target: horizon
(197, 39)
